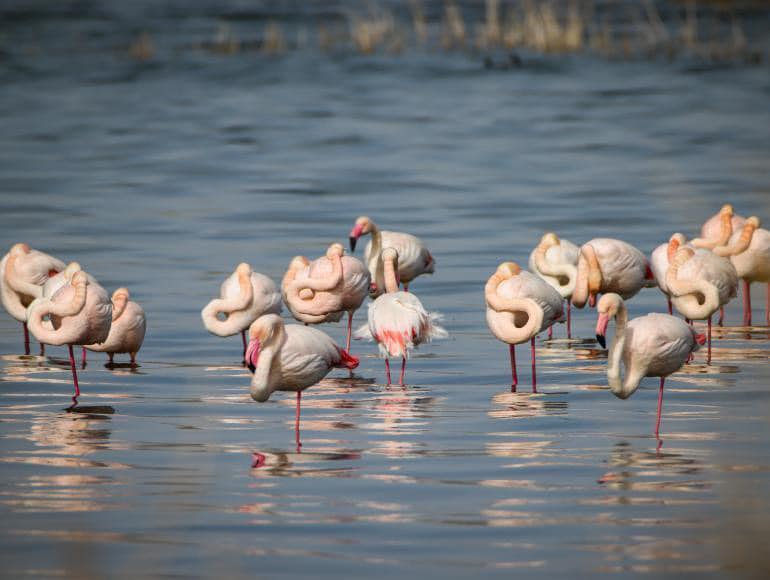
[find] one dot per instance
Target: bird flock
(61, 304)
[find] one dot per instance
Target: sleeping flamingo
(555, 261)
(520, 305)
(749, 251)
(80, 313)
(324, 289)
(290, 358)
(244, 296)
(413, 257)
(716, 231)
(127, 330)
(654, 345)
(23, 271)
(397, 320)
(700, 283)
(661, 258)
(608, 265)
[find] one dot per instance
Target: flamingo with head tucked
(520, 305)
(414, 258)
(655, 345)
(324, 289)
(749, 251)
(398, 322)
(608, 265)
(129, 325)
(700, 283)
(23, 271)
(555, 261)
(290, 358)
(244, 296)
(660, 260)
(80, 313)
(716, 230)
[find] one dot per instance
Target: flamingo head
(335, 250)
(607, 308)
(243, 269)
(550, 239)
(508, 270)
(727, 210)
(674, 243)
(262, 332)
(19, 249)
(363, 226)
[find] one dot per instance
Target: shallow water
(162, 176)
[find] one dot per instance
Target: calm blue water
(163, 175)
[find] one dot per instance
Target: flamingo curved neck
(43, 307)
(740, 245)
(261, 387)
(588, 279)
(686, 295)
(514, 334)
(621, 386)
(391, 280)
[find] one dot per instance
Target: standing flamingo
(700, 283)
(397, 320)
(654, 345)
(716, 231)
(555, 261)
(660, 260)
(749, 251)
(290, 358)
(520, 305)
(244, 296)
(608, 265)
(324, 289)
(127, 330)
(413, 257)
(80, 313)
(23, 271)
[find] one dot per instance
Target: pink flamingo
(654, 345)
(414, 258)
(244, 296)
(749, 251)
(398, 322)
(700, 283)
(127, 330)
(716, 230)
(290, 358)
(324, 289)
(80, 313)
(520, 305)
(608, 265)
(555, 261)
(23, 271)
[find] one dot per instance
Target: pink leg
(387, 369)
(350, 330)
(534, 375)
(569, 319)
(243, 339)
(550, 332)
(514, 377)
(670, 306)
(403, 368)
(721, 315)
(296, 421)
(26, 338)
(74, 377)
(746, 303)
(708, 358)
(83, 358)
(660, 405)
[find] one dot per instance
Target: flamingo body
(23, 272)
(608, 265)
(127, 330)
(562, 257)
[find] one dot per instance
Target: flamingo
(290, 358)
(660, 260)
(555, 261)
(398, 322)
(244, 296)
(127, 330)
(700, 283)
(520, 305)
(608, 265)
(716, 231)
(654, 345)
(324, 289)
(80, 313)
(23, 271)
(749, 251)
(414, 258)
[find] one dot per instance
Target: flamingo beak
(601, 329)
(252, 354)
(355, 233)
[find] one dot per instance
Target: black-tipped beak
(252, 368)
(353, 241)
(600, 339)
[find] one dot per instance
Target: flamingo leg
(708, 358)
(403, 368)
(26, 337)
(660, 405)
(670, 306)
(350, 330)
(133, 358)
(746, 303)
(721, 316)
(767, 306)
(296, 421)
(569, 319)
(42, 349)
(550, 332)
(534, 374)
(74, 377)
(112, 357)
(243, 339)
(514, 378)
(387, 370)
